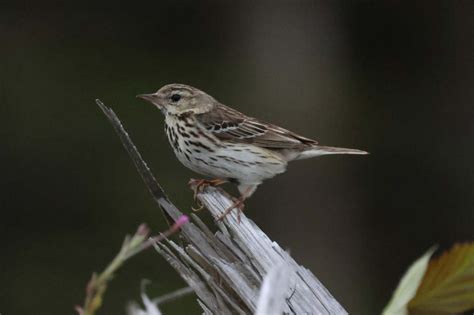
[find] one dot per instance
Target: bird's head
(177, 99)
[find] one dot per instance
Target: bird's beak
(148, 97)
(155, 100)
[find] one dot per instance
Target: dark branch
(169, 211)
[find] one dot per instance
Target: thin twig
(173, 295)
(139, 242)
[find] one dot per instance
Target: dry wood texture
(226, 268)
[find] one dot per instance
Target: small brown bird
(217, 141)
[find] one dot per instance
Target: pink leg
(239, 203)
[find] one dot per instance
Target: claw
(199, 208)
(198, 185)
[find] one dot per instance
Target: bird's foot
(198, 185)
(238, 204)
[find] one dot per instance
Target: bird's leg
(197, 185)
(238, 203)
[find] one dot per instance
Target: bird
(221, 143)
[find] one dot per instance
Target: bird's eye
(175, 97)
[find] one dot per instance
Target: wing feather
(230, 125)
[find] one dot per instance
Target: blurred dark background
(391, 78)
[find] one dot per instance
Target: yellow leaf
(448, 284)
(408, 285)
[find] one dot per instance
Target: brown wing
(230, 125)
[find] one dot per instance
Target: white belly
(245, 163)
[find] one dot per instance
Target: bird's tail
(319, 150)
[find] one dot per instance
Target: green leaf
(408, 286)
(448, 285)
